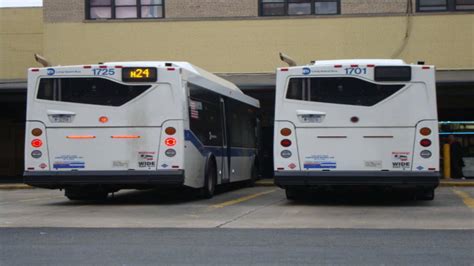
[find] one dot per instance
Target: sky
(17, 3)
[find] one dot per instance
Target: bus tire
(210, 178)
(425, 194)
(85, 194)
(291, 193)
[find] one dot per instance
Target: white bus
(96, 129)
(356, 122)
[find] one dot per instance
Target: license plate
(60, 118)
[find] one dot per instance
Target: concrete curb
(14, 186)
(449, 183)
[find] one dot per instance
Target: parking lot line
(242, 199)
(465, 198)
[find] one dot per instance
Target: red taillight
(285, 132)
(171, 69)
(36, 143)
(102, 66)
(354, 65)
(35, 70)
(425, 142)
(337, 66)
(87, 67)
(170, 142)
(283, 69)
(285, 143)
(370, 65)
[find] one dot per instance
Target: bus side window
(295, 89)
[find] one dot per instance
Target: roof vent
(420, 62)
(168, 64)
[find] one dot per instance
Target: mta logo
(306, 71)
(51, 71)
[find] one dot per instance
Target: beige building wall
(210, 8)
(21, 36)
(248, 46)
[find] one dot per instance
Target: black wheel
(425, 194)
(86, 194)
(209, 188)
(291, 194)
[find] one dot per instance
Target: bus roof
(390, 62)
(220, 85)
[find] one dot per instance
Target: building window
(444, 5)
(124, 9)
(299, 7)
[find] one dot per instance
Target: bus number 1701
(355, 71)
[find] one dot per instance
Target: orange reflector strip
(80, 137)
(125, 137)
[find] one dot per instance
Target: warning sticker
(69, 162)
(401, 160)
(146, 159)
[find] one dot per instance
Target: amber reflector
(170, 130)
(103, 119)
(425, 131)
(285, 132)
(36, 132)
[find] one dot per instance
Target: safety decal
(146, 159)
(320, 162)
(401, 160)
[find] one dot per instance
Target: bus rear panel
(356, 122)
(92, 125)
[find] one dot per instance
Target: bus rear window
(97, 91)
(339, 90)
(392, 73)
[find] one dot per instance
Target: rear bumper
(327, 178)
(59, 179)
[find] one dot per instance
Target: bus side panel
(242, 163)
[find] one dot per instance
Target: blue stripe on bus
(217, 151)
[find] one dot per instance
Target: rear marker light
(285, 154)
(36, 143)
(170, 130)
(370, 65)
(425, 131)
(175, 166)
(36, 154)
(426, 67)
(35, 70)
(285, 132)
(354, 65)
(425, 142)
(170, 152)
(102, 66)
(337, 66)
(118, 66)
(284, 69)
(36, 132)
(87, 66)
(432, 169)
(103, 119)
(125, 137)
(285, 143)
(170, 142)
(170, 68)
(80, 137)
(354, 119)
(280, 168)
(425, 154)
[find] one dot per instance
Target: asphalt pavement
(239, 226)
